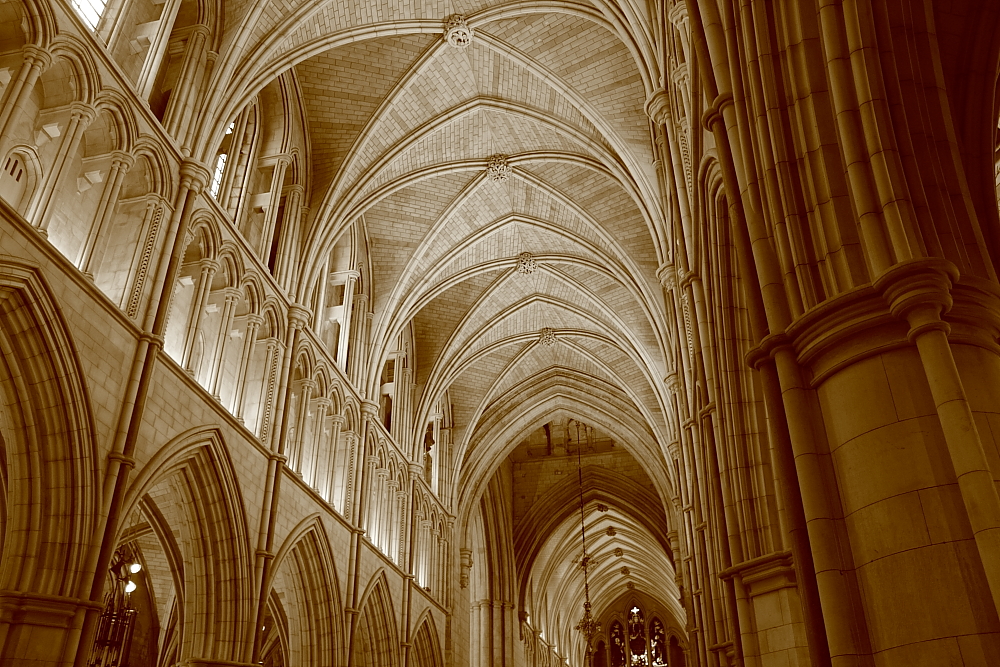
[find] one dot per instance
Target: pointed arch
(426, 650)
(47, 431)
(161, 180)
(377, 640)
(193, 485)
(305, 578)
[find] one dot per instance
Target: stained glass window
(657, 643)
(637, 638)
(617, 638)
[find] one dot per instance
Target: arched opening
(376, 641)
(426, 651)
(18, 178)
(253, 398)
(130, 235)
(84, 180)
(186, 303)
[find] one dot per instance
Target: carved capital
(195, 175)
(658, 107)
(713, 114)
(36, 56)
(298, 316)
(919, 291)
(667, 275)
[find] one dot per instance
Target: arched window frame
(27, 166)
(219, 170)
(239, 146)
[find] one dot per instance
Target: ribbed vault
(505, 200)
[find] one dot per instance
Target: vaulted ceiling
(402, 126)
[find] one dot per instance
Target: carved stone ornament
(457, 31)
(626, 571)
(526, 264)
(611, 531)
(630, 585)
(497, 169)
(601, 507)
(619, 552)
(547, 337)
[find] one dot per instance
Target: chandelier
(588, 625)
(117, 621)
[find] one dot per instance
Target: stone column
(322, 404)
(391, 517)
(345, 326)
(288, 243)
(306, 388)
(120, 164)
(38, 629)
(239, 384)
(271, 215)
(181, 107)
(81, 116)
(358, 345)
(336, 423)
(158, 46)
(35, 61)
(401, 404)
(485, 634)
(214, 378)
(381, 511)
(198, 303)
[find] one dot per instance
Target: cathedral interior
(499, 333)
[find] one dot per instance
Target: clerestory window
(220, 164)
(90, 11)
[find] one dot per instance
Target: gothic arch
(426, 650)
(48, 434)
(377, 641)
(40, 21)
(305, 577)
(115, 104)
(192, 482)
(159, 173)
(26, 182)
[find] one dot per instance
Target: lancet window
(617, 642)
(637, 638)
(657, 643)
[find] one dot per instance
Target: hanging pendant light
(588, 626)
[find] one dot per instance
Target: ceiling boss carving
(526, 264)
(457, 31)
(497, 168)
(547, 337)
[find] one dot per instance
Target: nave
(585, 333)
